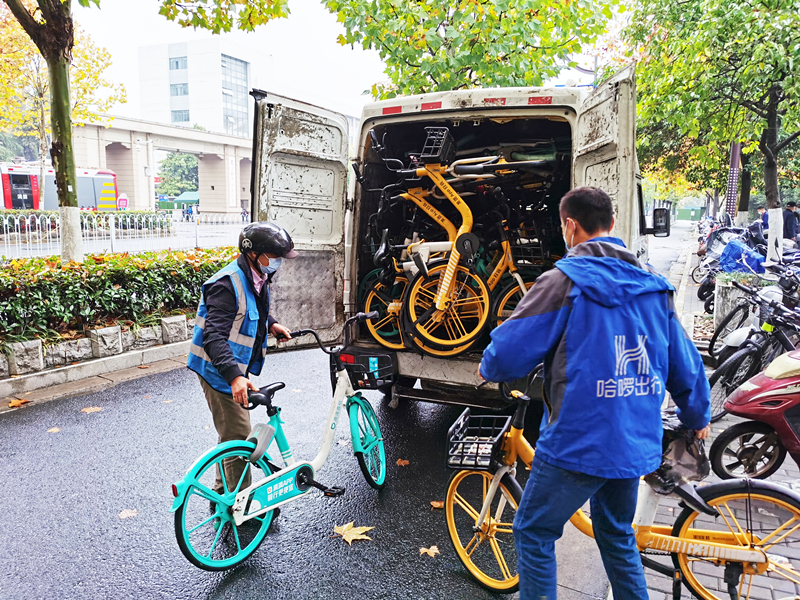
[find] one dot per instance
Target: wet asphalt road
(62, 493)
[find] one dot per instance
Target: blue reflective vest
(242, 336)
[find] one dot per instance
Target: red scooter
(758, 447)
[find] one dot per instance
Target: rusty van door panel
(300, 180)
(605, 152)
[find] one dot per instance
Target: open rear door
(299, 182)
(605, 152)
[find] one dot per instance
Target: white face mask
(566, 243)
(274, 265)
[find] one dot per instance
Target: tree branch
(786, 142)
(26, 20)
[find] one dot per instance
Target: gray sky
(307, 62)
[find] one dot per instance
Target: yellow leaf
(144, 367)
(91, 409)
(297, 391)
(432, 551)
(167, 401)
(207, 426)
(437, 503)
(350, 533)
(53, 430)
(16, 403)
(128, 513)
(147, 395)
(402, 462)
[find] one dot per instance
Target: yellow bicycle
(740, 536)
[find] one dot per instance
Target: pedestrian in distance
(605, 327)
(790, 222)
(764, 216)
(229, 341)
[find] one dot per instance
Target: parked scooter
(757, 448)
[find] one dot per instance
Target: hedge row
(40, 298)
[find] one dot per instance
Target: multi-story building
(202, 83)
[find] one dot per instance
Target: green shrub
(40, 298)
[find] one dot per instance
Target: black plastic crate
(439, 148)
(475, 442)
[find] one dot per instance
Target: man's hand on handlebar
(239, 388)
(703, 434)
(280, 333)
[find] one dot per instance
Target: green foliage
(12, 146)
(178, 174)
(39, 297)
(222, 15)
(432, 46)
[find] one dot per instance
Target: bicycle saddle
(383, 254)
(265, 394)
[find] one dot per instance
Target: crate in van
(507, 157)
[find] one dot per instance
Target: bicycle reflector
(348, 358)
(174, 490)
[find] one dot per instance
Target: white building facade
(203, 83)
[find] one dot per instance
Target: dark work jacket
(789, 224)
(221, 305)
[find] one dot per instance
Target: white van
(300, 180)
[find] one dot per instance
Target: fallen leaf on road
(437, 503)
(128, 513)
(91, 409)
(432, 551)
(350, 533)
(343, 442)
(207, 426)
(26, 393)
(144, 367)
(16, 403)
(297, 391)
(401, 462)
(167, 401)
(53, 430)
(147, 395)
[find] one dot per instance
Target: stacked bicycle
(442, 285)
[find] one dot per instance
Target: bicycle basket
(475, 442)
(439, 148)
(526, 246)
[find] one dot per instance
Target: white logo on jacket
(621, 386)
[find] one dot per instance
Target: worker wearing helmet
(230, 334)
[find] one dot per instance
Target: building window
(179, 89)
(176, 63)
(180, 116)
(234, 96)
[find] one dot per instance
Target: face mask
(274, 264)
(566, 243)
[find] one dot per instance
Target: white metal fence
(28, 236)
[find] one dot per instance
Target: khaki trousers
(232, 422)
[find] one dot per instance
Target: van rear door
(605, 153)
(299, 182)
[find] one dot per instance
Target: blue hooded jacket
(606, 330)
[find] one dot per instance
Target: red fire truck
(97, 188)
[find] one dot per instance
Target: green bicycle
(217, 531)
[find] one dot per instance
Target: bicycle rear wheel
(204, 526)
(507, 301)
(366, 433)
(489, 554)
(732, 321)
(387, 301)
(753, 514)
(730, 375)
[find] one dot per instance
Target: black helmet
(266, 238)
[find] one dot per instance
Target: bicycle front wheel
(507, 301)
(366, 433)
(488, 553)
(387, 302)
(204, 526)
(732, 321)
(730, 375)
(753, 514)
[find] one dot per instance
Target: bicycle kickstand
(331, 492)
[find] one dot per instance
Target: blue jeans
(551, 497)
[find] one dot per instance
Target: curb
(92, 375)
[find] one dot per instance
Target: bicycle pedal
(333, 492)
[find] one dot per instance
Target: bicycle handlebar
(359, 317)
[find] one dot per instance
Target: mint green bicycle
(217, 531)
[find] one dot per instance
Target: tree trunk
(64, 159)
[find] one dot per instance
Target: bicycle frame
(282, 486)
(699, 542)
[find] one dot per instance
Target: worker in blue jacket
(605, 327)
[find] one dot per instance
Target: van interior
(528, 199)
